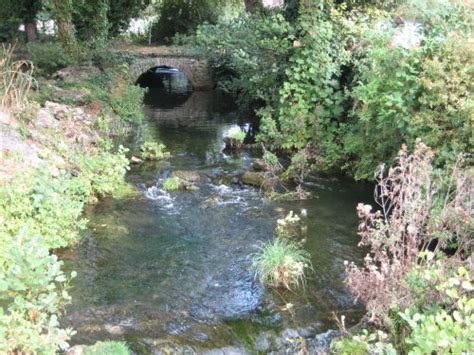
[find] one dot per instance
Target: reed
(16, 79)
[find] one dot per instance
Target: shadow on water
(172, 267)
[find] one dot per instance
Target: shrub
(415, 281)
(32, 290)
(443, 330)
(282, 263)
(107, 348)
(248, 54)
(153, 151)
(171, 184)
(49, 57)
(104, 172)
(418, 212)
(406, 89)
(43, 203)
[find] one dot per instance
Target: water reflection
(170, 85)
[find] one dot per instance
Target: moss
(171, 184)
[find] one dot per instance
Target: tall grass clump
(282, 262)
(15, 79)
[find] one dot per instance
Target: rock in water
(186, 175)
(232, 144)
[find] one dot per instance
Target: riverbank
(55, 159)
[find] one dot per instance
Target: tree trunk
(62, 13)
(31, 31)
(253, 6)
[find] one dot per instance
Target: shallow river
(174, 268)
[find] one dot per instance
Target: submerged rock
(136, 160)
(186, 175)
(226, 351)
(232, 144)
(258, 179)
(260, 165)
(253, 178)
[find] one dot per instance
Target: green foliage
(107, 348)
(402, 93)
(16, 12)
(270, 159)
(49, 57)
(102, 174)
(172, 184)
(44, 204)
(443, 330)
(364, 343)
(239, 136)
(184, 16)
(340, 87)
(32, 290)
(310, 99)
(248, 54)
(153, 151)
(126, 99)
(39, 211)
(282, 262)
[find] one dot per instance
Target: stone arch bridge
(197, 70)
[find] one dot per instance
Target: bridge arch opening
(166, 77)
(167, 86)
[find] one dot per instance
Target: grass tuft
(282, 262)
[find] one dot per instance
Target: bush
(153, 151)
(415, 279)
(443, 330)
(44, 204)
(49, 57)
(32, 290)
(103, 173)
(282, 263)
(248, 55)
(419, 211)
(406, 89)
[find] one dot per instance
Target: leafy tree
(184, 16)
(120, 13)
(16, 12)
(96, 20)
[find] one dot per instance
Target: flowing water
(175, 267)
